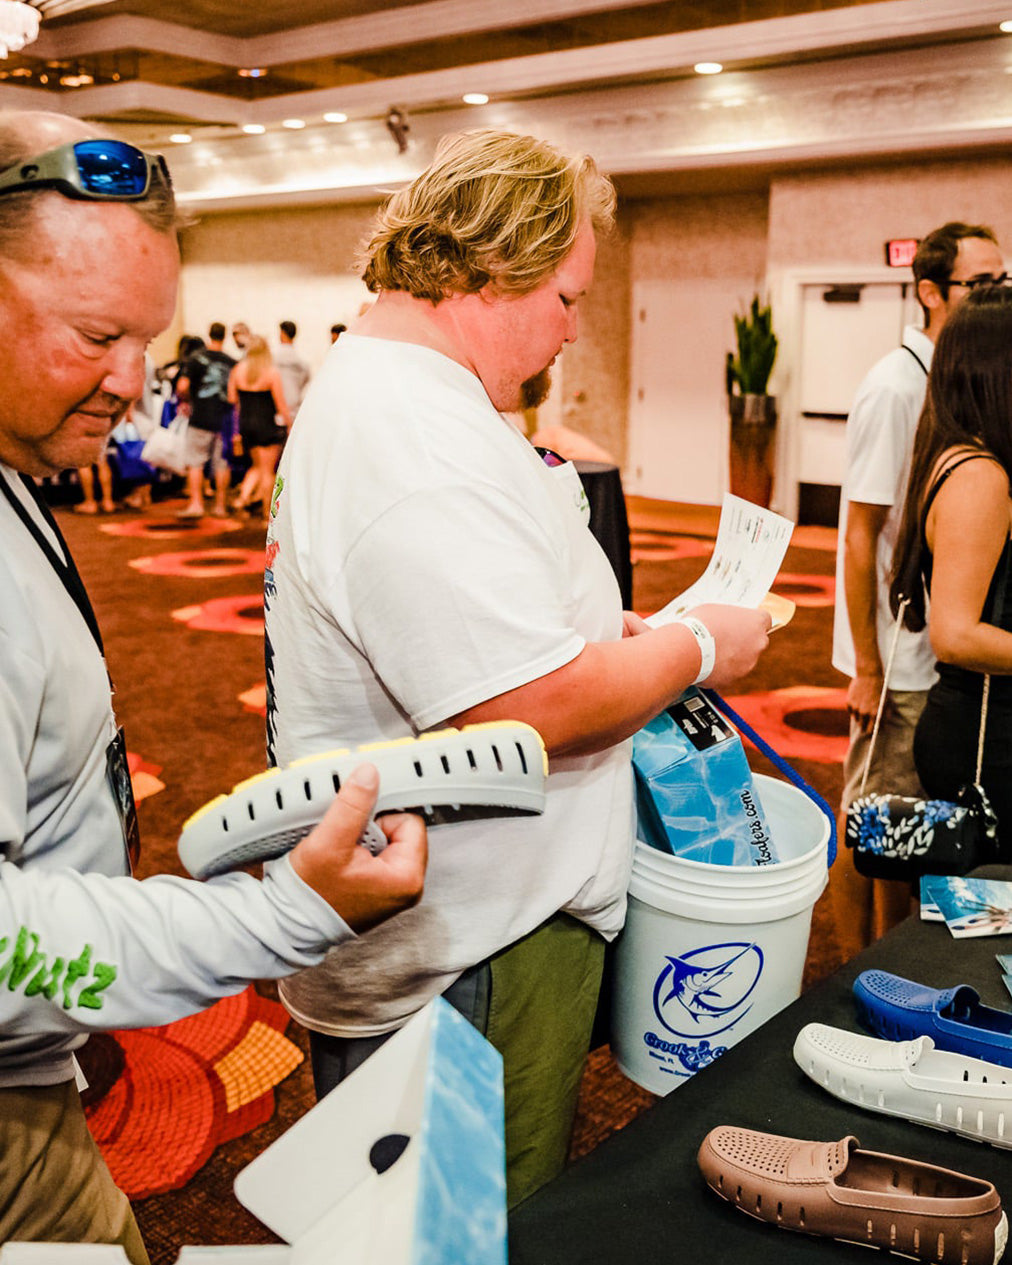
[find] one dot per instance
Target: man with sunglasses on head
(949, 263)
(88, 274)
(425, 567)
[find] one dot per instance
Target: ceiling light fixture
(708, 67)
(1006, 27)
(254, 129)
(251, 72)
(294, 124)
(180, 138)
(19, 25)
(475, 98)
(335, 116)
(398, 127)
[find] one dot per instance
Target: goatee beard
(535, 390)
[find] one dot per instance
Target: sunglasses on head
(97, 171)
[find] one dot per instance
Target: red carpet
(181, 1090)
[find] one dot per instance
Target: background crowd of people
(239, 403)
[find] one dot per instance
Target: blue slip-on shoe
(900, 1010)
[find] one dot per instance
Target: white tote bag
(166, 446)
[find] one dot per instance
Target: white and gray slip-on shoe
(911, 1079)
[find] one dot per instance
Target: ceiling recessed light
(335, 116)
(180, 138)
(475, 98)
(708, 68)
(252, 72)
(1006, 27)
(293, 123)
(254, 129)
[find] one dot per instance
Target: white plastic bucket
(710, 952)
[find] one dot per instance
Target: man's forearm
(860, 578)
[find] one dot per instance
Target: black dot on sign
(386, 1151)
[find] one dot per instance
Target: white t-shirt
(880, 440)
(294, 374)
(422, 560)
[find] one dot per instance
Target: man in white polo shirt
(949, 262)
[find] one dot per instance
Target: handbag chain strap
(996, 616)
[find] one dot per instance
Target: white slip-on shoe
(911, 1079)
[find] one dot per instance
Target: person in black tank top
(953, 552)
(255, 386)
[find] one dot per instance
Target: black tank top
(997, 608)
(256, 408)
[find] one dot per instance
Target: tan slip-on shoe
(836, 1190)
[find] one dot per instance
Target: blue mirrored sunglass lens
(111, 167)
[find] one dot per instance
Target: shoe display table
(640, 1198)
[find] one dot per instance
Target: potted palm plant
(753, 411)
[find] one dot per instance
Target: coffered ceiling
(210, 68)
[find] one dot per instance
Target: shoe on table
(837, 1190)
(900, 1010)
(910, 1079)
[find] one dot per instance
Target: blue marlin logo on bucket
(706, 990)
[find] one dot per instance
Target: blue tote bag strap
(791, 774)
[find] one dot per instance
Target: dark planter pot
(753, 433)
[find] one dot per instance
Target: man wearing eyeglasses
(949, 263)
(88, 274)
(426, 566)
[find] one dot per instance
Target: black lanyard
(916, 357)
(69, 575)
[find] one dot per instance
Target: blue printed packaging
(694, 789)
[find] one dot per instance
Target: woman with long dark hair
(953, 555)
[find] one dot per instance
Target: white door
(678, 423)
(840, 341)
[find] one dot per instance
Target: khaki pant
(54, 1185)
(865, 909)
(892, 770)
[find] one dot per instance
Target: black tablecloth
(608, 521)
(639, 1197)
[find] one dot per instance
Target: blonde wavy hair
(492, 207)
(258, 361)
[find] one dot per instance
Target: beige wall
(845, 216)
(595, 378)
(265, 266)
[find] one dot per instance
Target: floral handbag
(902, 837)
(898, 836)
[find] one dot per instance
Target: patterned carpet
(180, 1110)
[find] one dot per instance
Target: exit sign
(900, 252)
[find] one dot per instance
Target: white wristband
(704, 640)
